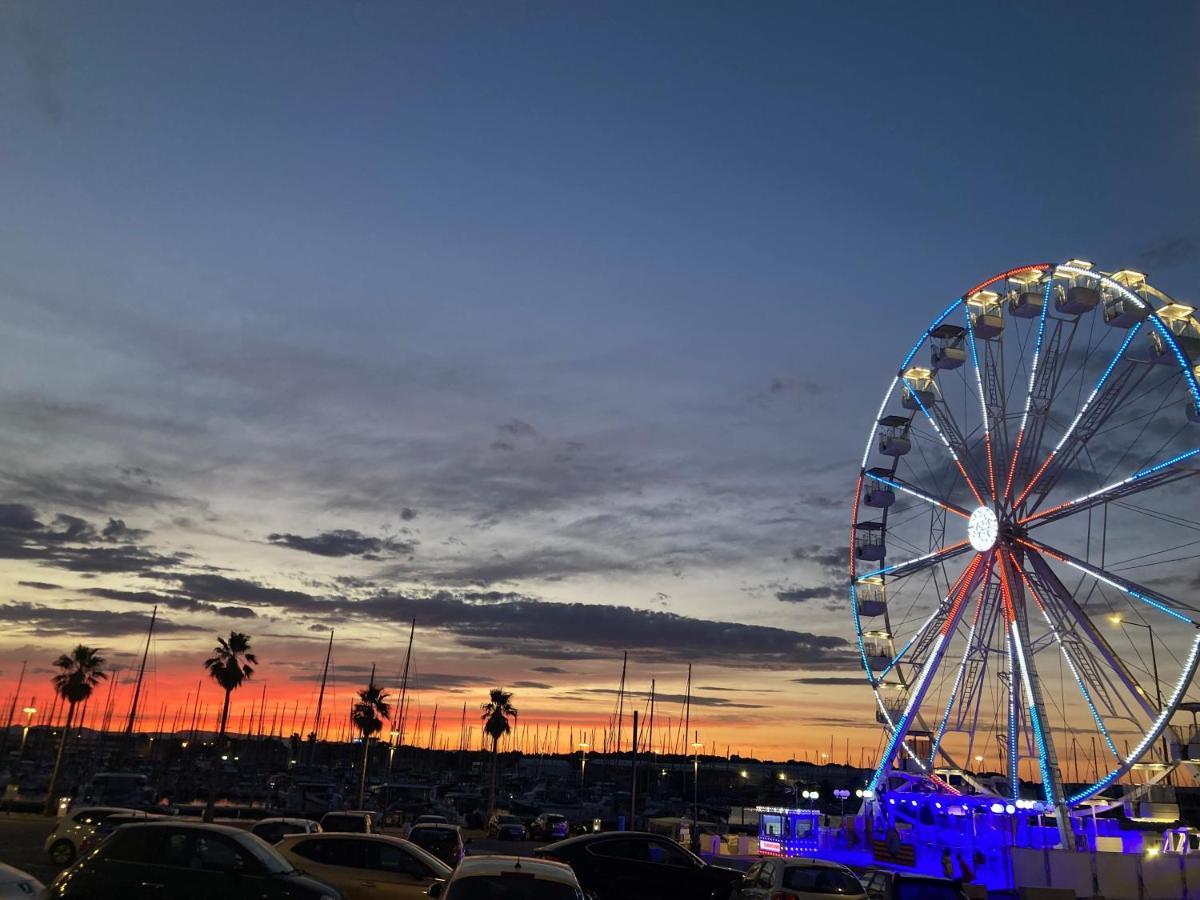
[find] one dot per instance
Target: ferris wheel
(1024, 538)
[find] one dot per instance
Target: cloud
(1176, 250)
(696, 700)
(550, 670)
(40, 585)
(533, 685)
(172, 601)
(800, 595)
(84, 624)
(343, 542)
(831, 680)
(407, 513)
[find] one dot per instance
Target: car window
(213, 853)
(389, 858)
(820, 880)
(621, 848)
(668, 854)
(510, 886)
(133, 845)
(344, 853)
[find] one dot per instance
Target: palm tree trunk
(362, 778)
(495, 763)
(51, 805)
(211, 805)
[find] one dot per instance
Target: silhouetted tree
(368, 715)
(496, 713)
(229, 667)
(78, 674)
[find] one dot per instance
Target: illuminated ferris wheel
(1024, 537)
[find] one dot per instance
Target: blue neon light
(1163, 465)
(1120, 353)
(1183, 362)
(936, 322)
(862, 648)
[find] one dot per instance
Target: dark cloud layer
(344, 542)
(91, 624)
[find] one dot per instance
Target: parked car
(550, 827)
(509, 878)
(18, 885)
(274, 828)
(883, 884)
(799, 879)
(175, 860)
(505, 827)
(430, 819)
(633, 865)
(365, 866)
(354, 821)
(65, 841)
(443, 841)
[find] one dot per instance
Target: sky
(557, 328)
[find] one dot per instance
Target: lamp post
(843, 795)
(29, 711)
(1118, 621)
(392, 735)
(583, 752)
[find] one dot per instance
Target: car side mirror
(436, 889)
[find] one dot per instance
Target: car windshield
(271, 860)
(508, 886)
(821, 880)
(927, 890)
(434, 838)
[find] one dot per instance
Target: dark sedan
(631, 865)
(185, 861)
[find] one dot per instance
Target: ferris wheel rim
(1033, 520)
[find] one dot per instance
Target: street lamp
(843, 795)
(29, 711)
(1118, 622)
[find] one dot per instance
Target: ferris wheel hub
(983, 528)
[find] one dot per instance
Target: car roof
(286, 820)
(435, 826)
(592, 837)
(416, 850)
(349, 812)
(496, 865)
(167, 822)
(804, 862)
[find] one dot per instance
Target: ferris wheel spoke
(1154, 599)
(962, 666)
(1083, 622)
(1099, 406)
(917, 691)
(884, 476)
(948, 432)
(983, 408)
(919, 563)
(1068, 658)
(1150, 477)
(1034, 372)
(1016, 615)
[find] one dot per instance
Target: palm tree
(229, 667)
(495, 724)
(368, 716)
(78, 674)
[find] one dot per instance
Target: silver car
(18, 885)
(799, 879)
(78, 828)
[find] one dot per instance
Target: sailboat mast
(398, 716)
(321, 698)
(137, 691)
(621, 701)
